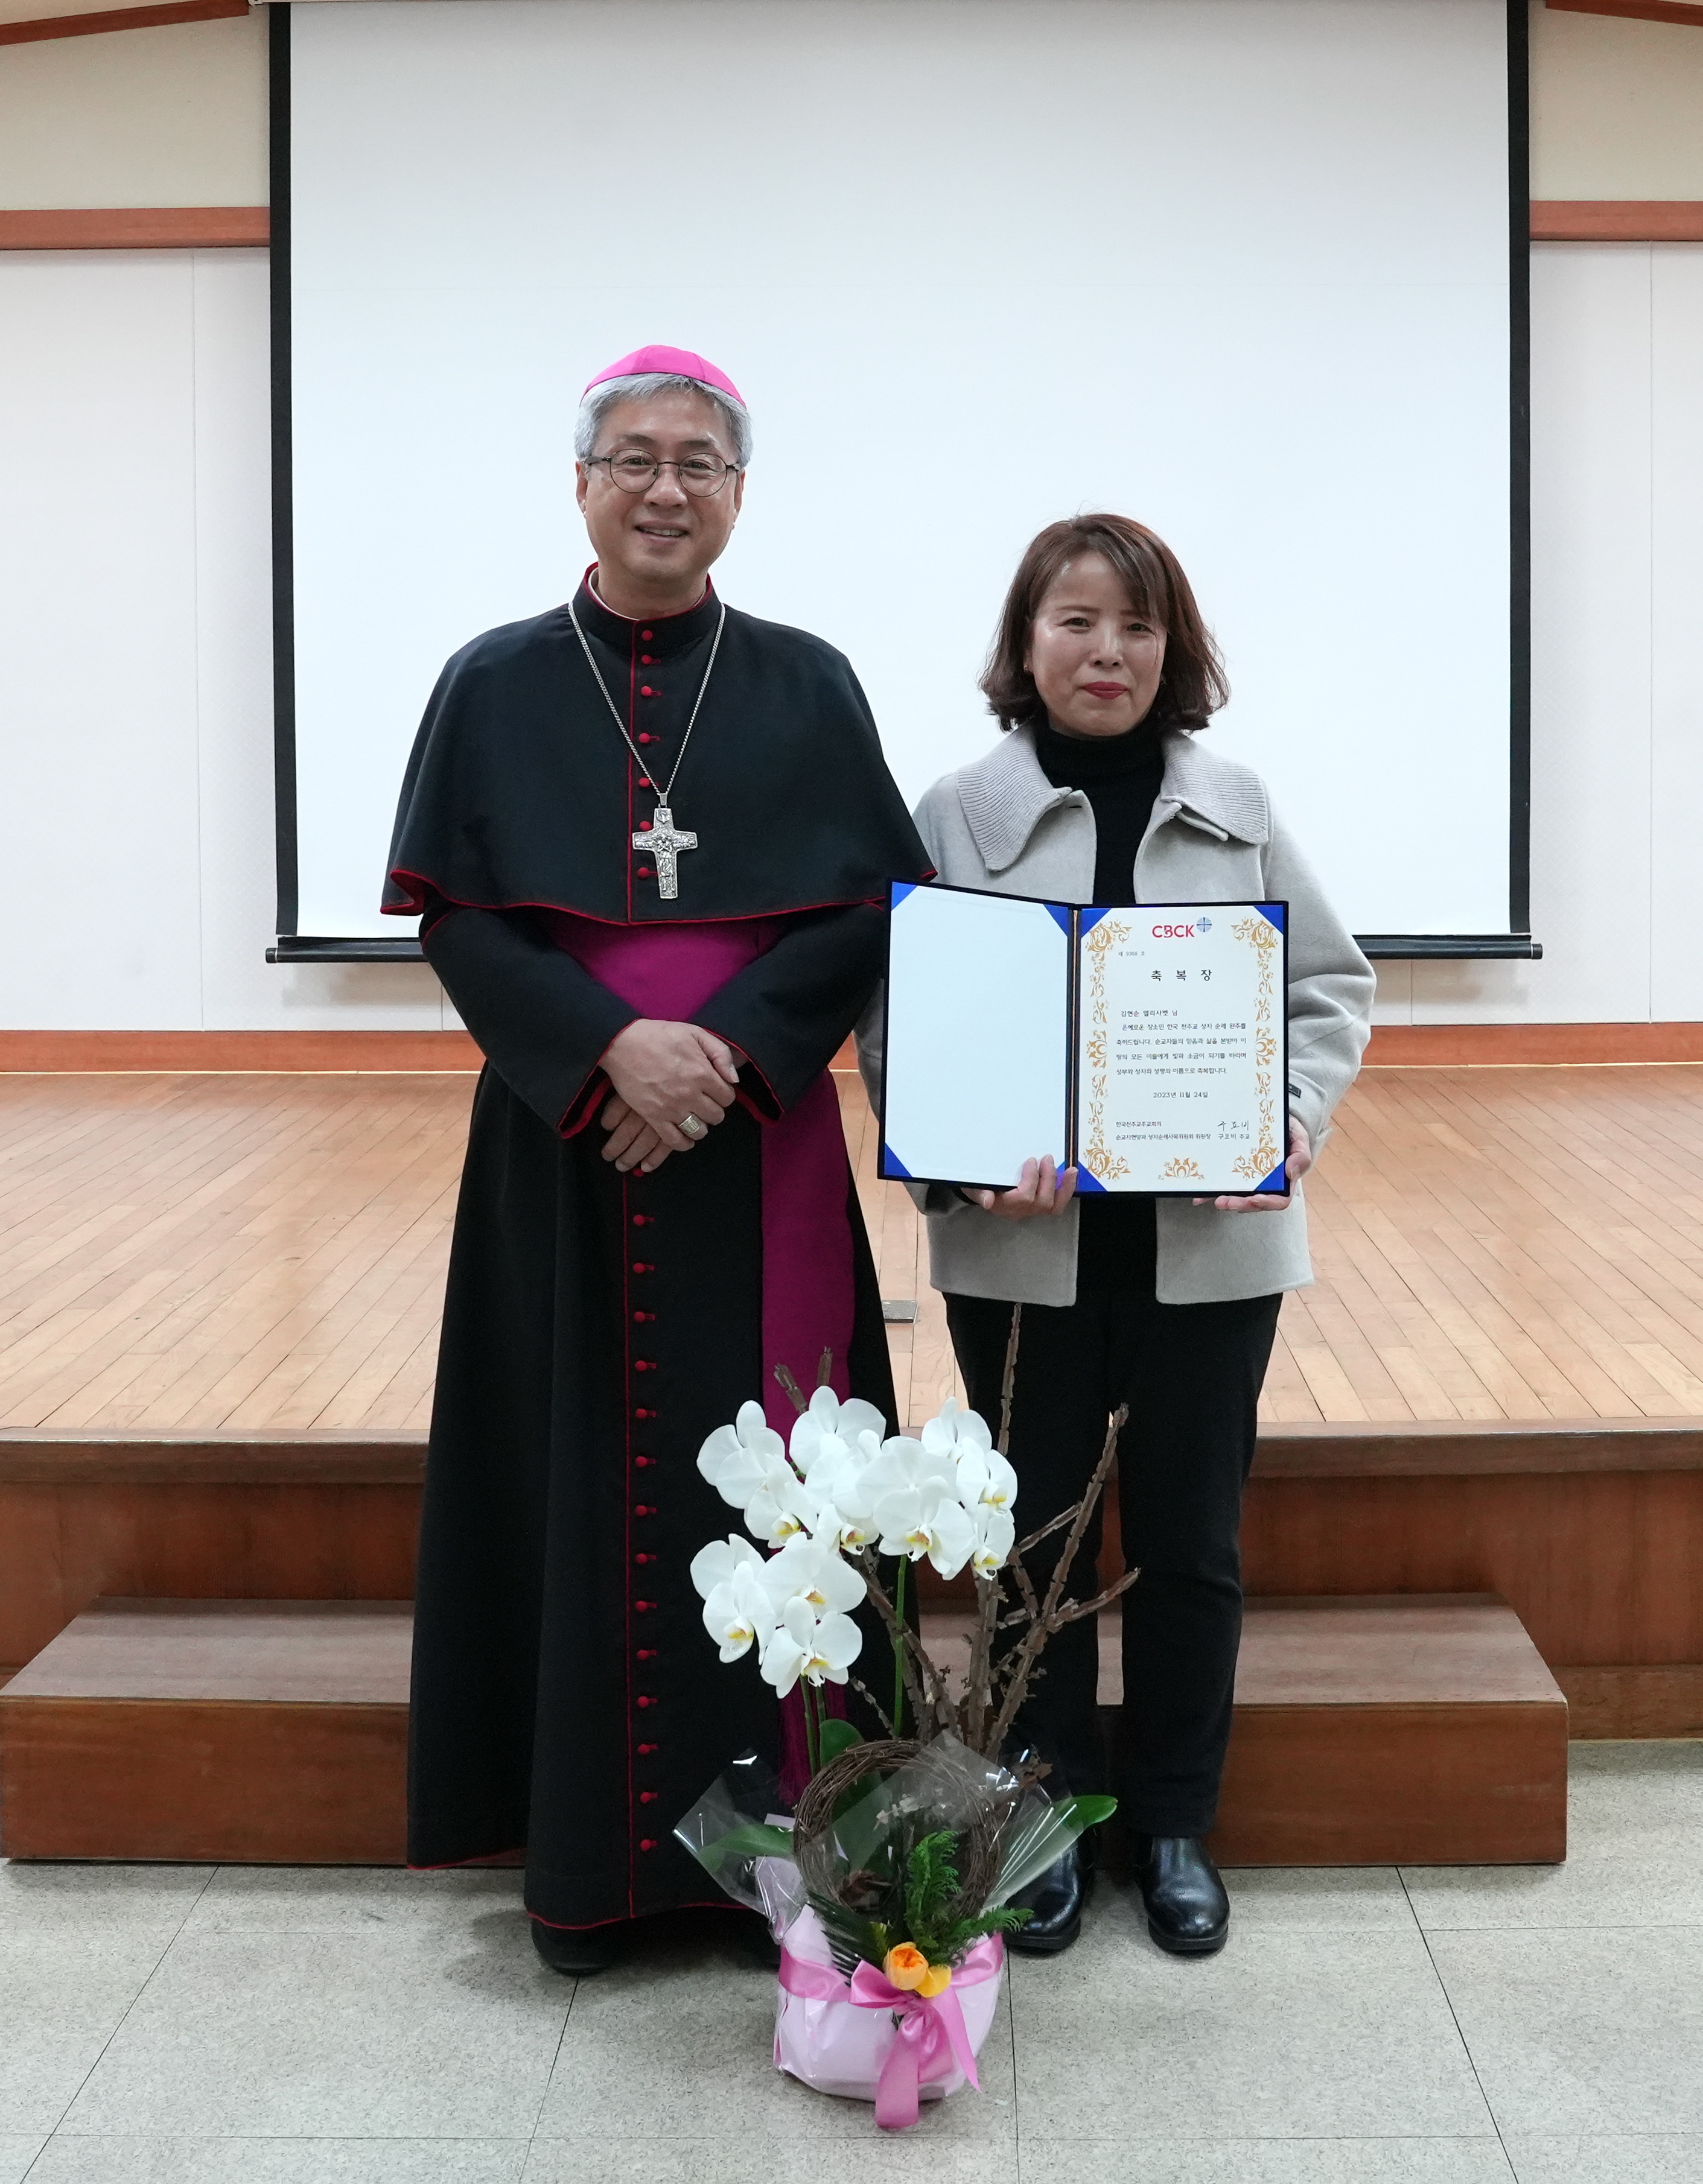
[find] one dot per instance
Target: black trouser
(1190, 1375)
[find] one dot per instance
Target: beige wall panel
(170, 116)
(1616, 106)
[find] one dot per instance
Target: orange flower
(939, 1978)
(907, 1967)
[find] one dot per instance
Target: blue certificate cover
(1146, 1047)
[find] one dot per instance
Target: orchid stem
(898, 1662)
(812, 1741)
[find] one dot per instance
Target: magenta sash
(930, 2035)
(669, 971)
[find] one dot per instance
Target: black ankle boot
(1056, 1899)
(1188, 1912)
(579, 1951)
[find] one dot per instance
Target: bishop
(657, 1208)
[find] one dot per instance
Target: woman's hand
(1041, 1188)
(666, 1072)
(633, 1143)
(1299, 1161)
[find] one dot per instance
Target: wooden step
(256, 1731)
(1398, 1728)
(1404, 1728)
(1418, 1729)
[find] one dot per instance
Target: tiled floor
(259, 2026)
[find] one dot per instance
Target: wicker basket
(813, 1825)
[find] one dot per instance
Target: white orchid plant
(827, 1504)
(839, 1494)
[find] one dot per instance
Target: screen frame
(293, 946)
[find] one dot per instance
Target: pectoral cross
(665, 841)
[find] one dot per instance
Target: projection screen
(1240, 268)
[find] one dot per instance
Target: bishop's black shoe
(1056, 1900)
(577, 1950)
(1188, 1912)
(757, 1941)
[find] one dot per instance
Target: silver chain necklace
(662, 838)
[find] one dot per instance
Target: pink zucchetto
(682, 363)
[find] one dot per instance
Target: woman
(1102, 675)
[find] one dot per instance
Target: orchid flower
(927, 1519)
(954, 1429)
(782, 1508)
(740, 1459)
(986, 1476)
(842, 1481)
(901, 1464)
(806, 1646)
(828, 1432)
(720, 1562)
(996, 1535)
(914, 1494)
(983, 1473)
(811, 1570)
(741, 1614)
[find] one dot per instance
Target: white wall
(136, 870)
(1616, 106)
(136, 824)
(135, 694)
(1617, 652)
(173, 115)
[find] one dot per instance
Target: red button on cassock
(644, 1559)
(647, 1652)
(648, 1844)
(645, 660)
(643, 1607)
(645, 782)
(645, 691)
(645, 739)
(645, 872)
(644, 1462)
(645, 1749)
(647, 1796)
(647, 634)
(642, 1702)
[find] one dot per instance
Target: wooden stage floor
(228, 1253)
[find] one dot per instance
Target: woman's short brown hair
(1193, 685)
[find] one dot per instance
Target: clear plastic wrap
(739, 1827)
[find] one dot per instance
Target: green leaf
(751, 1840)
(835, 1737)
(932, 1882)
(852, 1939)
(1089, 1812)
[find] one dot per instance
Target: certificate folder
(1146, 1047)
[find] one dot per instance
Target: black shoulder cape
(520, 792)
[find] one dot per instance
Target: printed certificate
(1147, 1046)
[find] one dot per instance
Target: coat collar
(1005, 796)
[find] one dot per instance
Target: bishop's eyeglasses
(633, 472)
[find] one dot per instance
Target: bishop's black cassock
(566, 1698)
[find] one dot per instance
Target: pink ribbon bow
(930, 2037)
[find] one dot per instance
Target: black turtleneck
(1121, 777)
